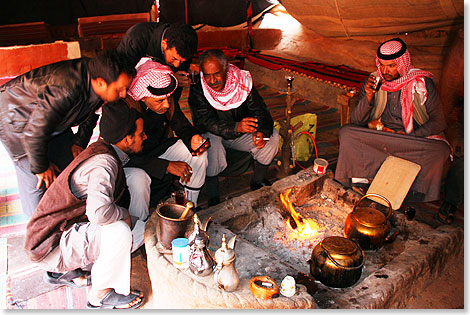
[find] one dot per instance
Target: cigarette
(265, 139)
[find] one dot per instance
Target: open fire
(301, 228)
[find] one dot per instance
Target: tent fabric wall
(346, 18)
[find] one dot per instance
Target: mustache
(215, 83)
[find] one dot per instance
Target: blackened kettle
(368, 226)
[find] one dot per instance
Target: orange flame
(305, 227)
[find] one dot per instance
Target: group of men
(88, 204)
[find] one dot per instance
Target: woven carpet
(337, 75)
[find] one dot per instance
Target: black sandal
(446, 214)
(66, 278)
(113, 299)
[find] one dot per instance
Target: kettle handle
(378, 196)
(337, 264)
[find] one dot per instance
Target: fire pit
(276, 238)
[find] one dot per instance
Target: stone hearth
(390, 275)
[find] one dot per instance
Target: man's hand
(76, 150)
(183, 78)
(196, 141)
(258, 139)
(247, 125)
(370, 87)
(180, 169)
(48, 176)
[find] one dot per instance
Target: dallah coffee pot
(226, 275)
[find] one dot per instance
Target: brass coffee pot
(368, 226)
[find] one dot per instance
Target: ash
(272, 233)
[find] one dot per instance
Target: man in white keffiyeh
(227, 107)
(401, 107)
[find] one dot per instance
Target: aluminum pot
(368, 226)
(337, 262)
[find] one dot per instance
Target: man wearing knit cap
(163, 156)
(83, 220)
(400, 106)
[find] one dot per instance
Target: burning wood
(304, 227)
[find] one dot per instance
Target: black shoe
(264, 182)
(62, 279)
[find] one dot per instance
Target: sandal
(446, 214)
(66, 278)
(113, 299)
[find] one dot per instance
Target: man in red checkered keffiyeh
(164, 155)
(394, 54)
(226, 106)
(401, 108)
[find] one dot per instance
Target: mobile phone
(201, 145)
(378, 83)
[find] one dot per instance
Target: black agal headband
(395, 55)
(163, 91)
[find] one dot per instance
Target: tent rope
(341, 19)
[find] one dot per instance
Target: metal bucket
(170, 225)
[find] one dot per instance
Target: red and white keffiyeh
(411, 80)
(237, 87)
(155, 75)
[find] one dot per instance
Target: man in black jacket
(40, 107)
(226, 106)
(163, 155)
(170, 44)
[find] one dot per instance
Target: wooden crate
(104, 25)
(24, 33)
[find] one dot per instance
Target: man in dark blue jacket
(40, 107)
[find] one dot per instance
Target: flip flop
(57, 279)
(113, 299)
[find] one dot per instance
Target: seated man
(150, 94)
(405, 115)
(39, 108)
(83, 220)
(227, 107)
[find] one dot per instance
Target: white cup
(320, 165)
(288, 286)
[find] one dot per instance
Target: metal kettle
(337, 262)
(201, 261)
(368, 226)
(226, 275)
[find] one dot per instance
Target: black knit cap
(117, 121)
